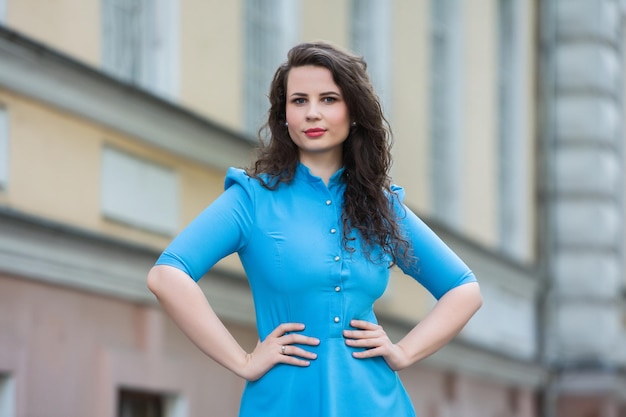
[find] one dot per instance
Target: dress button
(337, 258)
(333, 231)
(328, 202)
(337, 288)
(336, 319)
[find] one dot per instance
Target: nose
(312, 112)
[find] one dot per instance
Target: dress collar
(303, 172)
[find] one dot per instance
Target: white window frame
(176, 406)
(139, 193)
(271, 29)
(7, 395)
(4, 148)
(446, 111)
(140, 44)
(370, 37)
(513, 99)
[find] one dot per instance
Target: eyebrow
(326, 93)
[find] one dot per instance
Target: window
(4, 148)
(445, 111)
(514, 176)
(369, 36)
(140, 404)
(135, 403)
(270, 32)
(7, 396)
(140, 43)
(3, 12)
(139, 193)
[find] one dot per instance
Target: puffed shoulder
(236, 176)
(239, 183)
(398, 191)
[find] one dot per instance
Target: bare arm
(439, 326)
(184, 301)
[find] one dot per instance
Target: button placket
(337, 297)
(336, 311)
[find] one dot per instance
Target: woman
(317, 226)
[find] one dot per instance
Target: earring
(353, 124)
(286, 124)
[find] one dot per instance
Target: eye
(329, 100)
(298, 100)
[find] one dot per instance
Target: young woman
(317, 226)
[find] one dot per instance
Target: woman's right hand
(278, 347)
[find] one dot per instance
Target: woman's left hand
(373, 338)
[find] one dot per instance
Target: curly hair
(368, 198)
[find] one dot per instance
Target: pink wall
(440, 394)
(69, 352)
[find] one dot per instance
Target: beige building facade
(119, 118)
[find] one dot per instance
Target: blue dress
(289, 243)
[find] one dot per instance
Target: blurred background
(119, 118)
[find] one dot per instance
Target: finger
(362, 334)
(365, 325)
(294, 360)
(366, 343)
(294, 338)
(369, 353)
(286, 328)
(297, 352)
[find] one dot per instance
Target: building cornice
(41, 250)
(33, 70)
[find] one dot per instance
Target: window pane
(513, 153)
(140, 404)
(7, 396)
(269, 33)
(445, 111)
(123, 27)
(4, 148)
(139, 193)
(139, 43)
(370, 37)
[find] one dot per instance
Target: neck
(321, 167)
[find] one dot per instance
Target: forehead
(310, 79)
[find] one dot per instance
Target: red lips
(315, 132)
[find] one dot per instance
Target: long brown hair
(368, 199)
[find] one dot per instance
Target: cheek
(341, 117)
(291, 115)
(342, 120)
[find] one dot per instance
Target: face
(317, 115)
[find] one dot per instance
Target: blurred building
(118, 119)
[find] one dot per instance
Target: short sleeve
(434, 264)
(221, 229)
